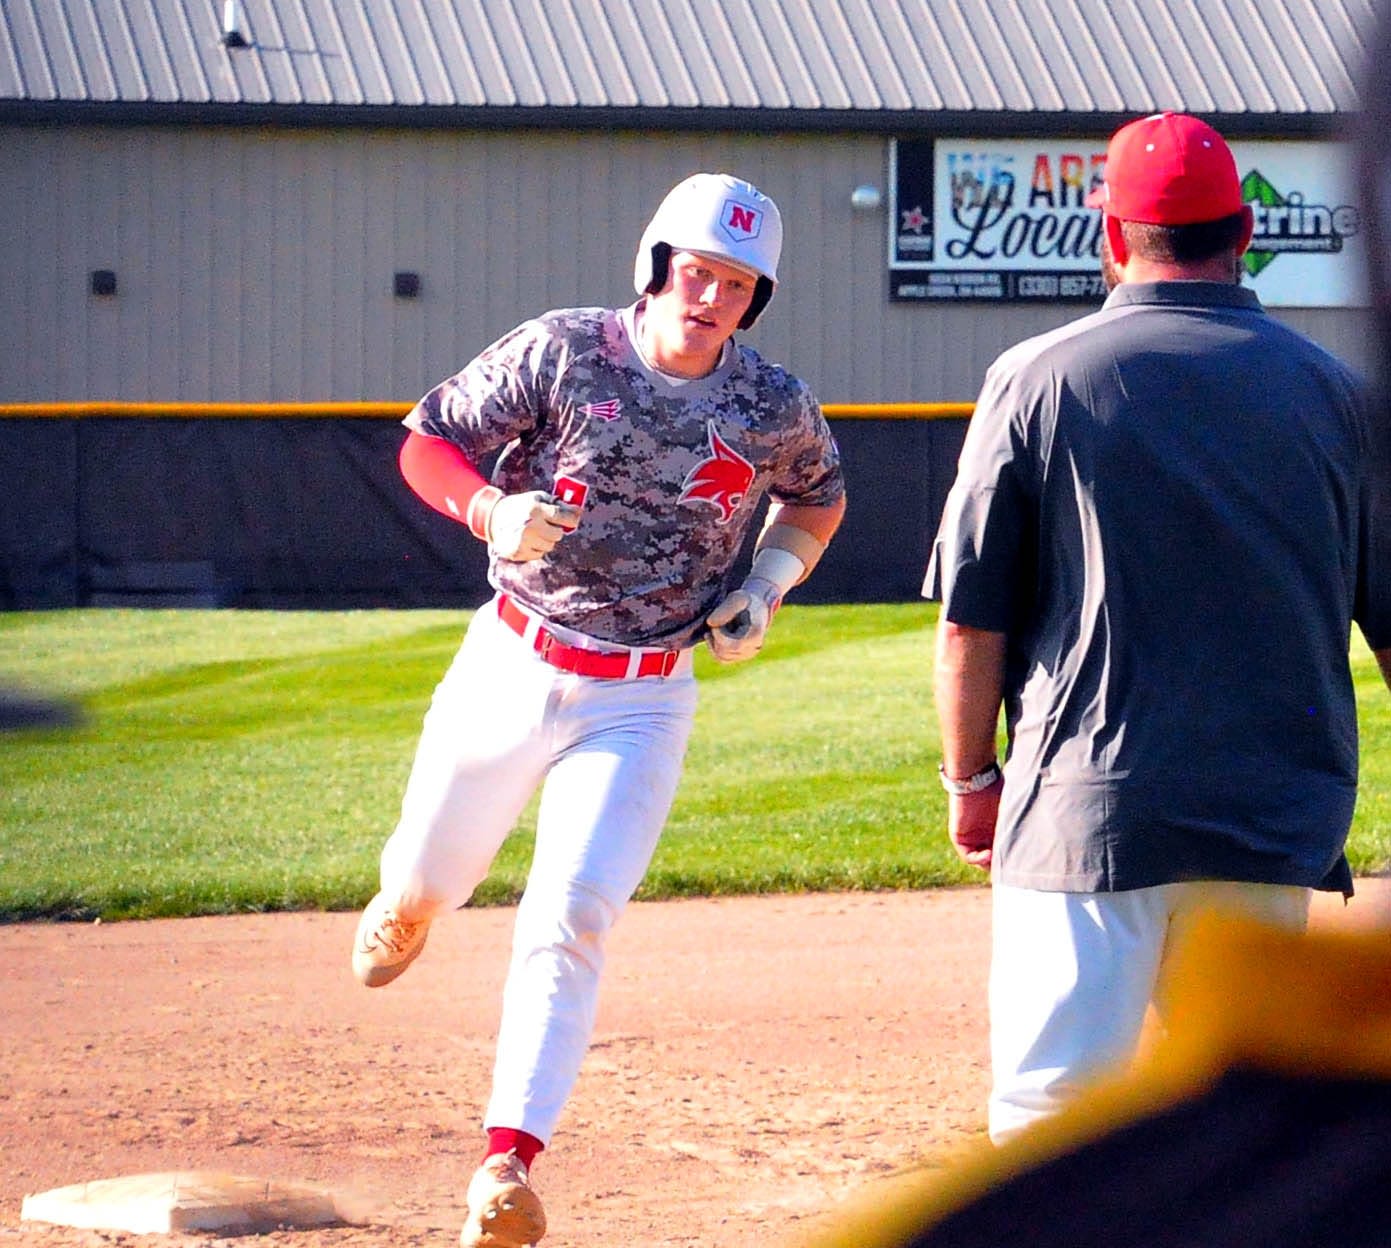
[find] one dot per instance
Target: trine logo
(1286, 224)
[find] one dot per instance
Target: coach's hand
(522, 527)
(739, 623)
(971, 824)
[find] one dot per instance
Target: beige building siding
(256, 264)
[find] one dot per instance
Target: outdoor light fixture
(406, 285)
(865, 198)
(231, 26)
(103, 282)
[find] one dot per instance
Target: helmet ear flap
(762, 293)
(661, 266)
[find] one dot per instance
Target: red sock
(509, 1139)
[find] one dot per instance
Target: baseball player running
(637, 444)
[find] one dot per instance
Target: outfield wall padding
(312, 513)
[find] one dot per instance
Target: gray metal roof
(831, 58)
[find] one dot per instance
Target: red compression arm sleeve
(443, 476)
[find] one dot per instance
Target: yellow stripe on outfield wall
(394, 411)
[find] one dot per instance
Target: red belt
(608, 664)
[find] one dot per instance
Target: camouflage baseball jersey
(671, 475)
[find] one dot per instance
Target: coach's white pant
(1072, 975)
(609, 752)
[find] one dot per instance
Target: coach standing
(1159, 536)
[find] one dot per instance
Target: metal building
(248, 178)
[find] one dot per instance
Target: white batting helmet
(714, 214)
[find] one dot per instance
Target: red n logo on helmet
(741, 218)
(722, 480)
(742, 221)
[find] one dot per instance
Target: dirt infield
(755, 1061)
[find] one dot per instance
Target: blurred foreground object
(1262, 1120)
(19, 711)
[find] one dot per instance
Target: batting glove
(522, 527)
(740, 622)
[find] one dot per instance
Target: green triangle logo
(1256, 189)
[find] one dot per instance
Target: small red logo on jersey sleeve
(571, 490)
(722, 480)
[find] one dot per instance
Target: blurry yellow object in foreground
(1263, 1117)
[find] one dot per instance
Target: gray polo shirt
(1165, 505)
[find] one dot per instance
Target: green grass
(241, 760)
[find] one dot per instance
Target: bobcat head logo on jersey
(722, 480)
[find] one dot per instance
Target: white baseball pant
(607, 755)
(1073, 974)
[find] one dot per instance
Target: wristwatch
(982, 779)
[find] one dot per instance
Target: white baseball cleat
(503, 1211)
(385, 943)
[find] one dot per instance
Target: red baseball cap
(1168, 169)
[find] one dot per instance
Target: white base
(187, 1200)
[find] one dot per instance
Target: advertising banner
(1005, 220)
